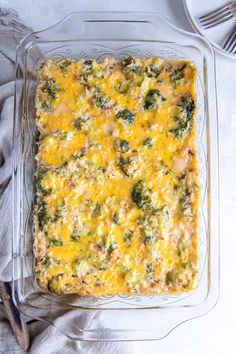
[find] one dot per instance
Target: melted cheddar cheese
(117, 178)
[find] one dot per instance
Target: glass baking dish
(97, 35)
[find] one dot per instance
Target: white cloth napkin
(45, 338)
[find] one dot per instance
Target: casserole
(117, 178)
(98, 35)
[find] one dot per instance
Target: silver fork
(230, 43)
(220, 15)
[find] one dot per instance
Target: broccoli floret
(149, 226)
(75, 234)
(182, 130)
(47, 262)
(149, 239)
(140, 197)
(42, 215)
(185, 205)
(176, 188)
(101, 100)
(55, 243)
(115, 218)
(112, 247)
(97, 263)
(64, 63)
(127, 61)
(54, 283)
(39, 178)
(91, 69)
(126, 115)
(129, 65)
(187, 106)
(153, 71)
(182, 177)
(81, 123)
(150, 270)
(185, 119)
(148, 143)
(123, 146)
(60, 212)
(46, 104)
(88, 69)
(51, 88)
(153, 99)
(177, 75)
(135, 69)
(171, 277)
(124, 164)
(179, 274)
(128, 236)
(151, 223)
(166, 169)
(63, 135)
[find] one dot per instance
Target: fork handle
(18, 325)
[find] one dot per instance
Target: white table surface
(215, 332)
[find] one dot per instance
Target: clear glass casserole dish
(97, 35)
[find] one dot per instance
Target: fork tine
(231, 45)
(230, 39)
(233, 48)
(218, 21)
(213, 17)
(212, 13)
